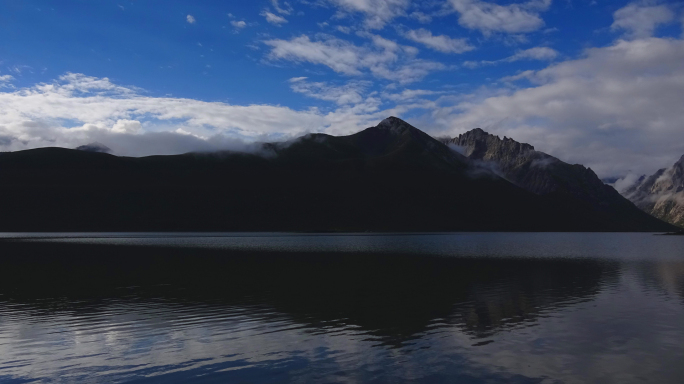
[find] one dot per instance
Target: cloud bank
(615, 109)
(78, 109)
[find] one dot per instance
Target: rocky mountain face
(661, 194)
(532, 170)
(539, 172)
(390, 177)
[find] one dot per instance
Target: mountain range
(661, 194)
(391, 177)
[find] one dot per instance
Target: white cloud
(190, 19)
(341, 56)
(377, 12)
(344, 29)
(78, 109)
(440, 43)
(421, 17)
(286, 9)
(616, 109)
(384, 58)
(624, 183)
(475, 64)
(640, 19)
(5, 81)
(127, 126)
(536, 53)
(350, 93)
(409, 94)
(489, 17)
(273, 18)
(522, 75)
(238, 24)
(19, 69)
(410, 72)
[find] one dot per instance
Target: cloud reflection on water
(113, 313)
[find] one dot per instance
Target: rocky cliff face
(661, 194)
(532, 170)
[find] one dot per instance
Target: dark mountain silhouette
(545, 175)
(392, 177)
(661, 194)
(94, 147)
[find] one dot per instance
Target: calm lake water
(271, 308)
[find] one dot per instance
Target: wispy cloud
(536, 53)
(410, 94)
(377, 12)
(238, 24)
(350, 93)
(421, 17)
(490, 17)
(272, 18)
(190, 19)
(5, 81)
(640, 19)
(382, 58)
(440, 43)
(286, 9)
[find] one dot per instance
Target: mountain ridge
(541, 173)
(390, 177)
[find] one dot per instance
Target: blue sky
(580, 79)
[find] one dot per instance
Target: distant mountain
(391, 177)
(661, 194)
(543, 174)
(94, 147)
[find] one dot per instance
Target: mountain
(94, 147)
(391, 177)
(543, 174)
(661, 194)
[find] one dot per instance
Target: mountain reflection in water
(106, 312)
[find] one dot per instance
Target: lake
(342, 308)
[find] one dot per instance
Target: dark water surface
(270, 308)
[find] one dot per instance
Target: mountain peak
(680, 162)
(395, 125)
(535, 171)
(479, 132)
(94, 147)
(482, 137)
